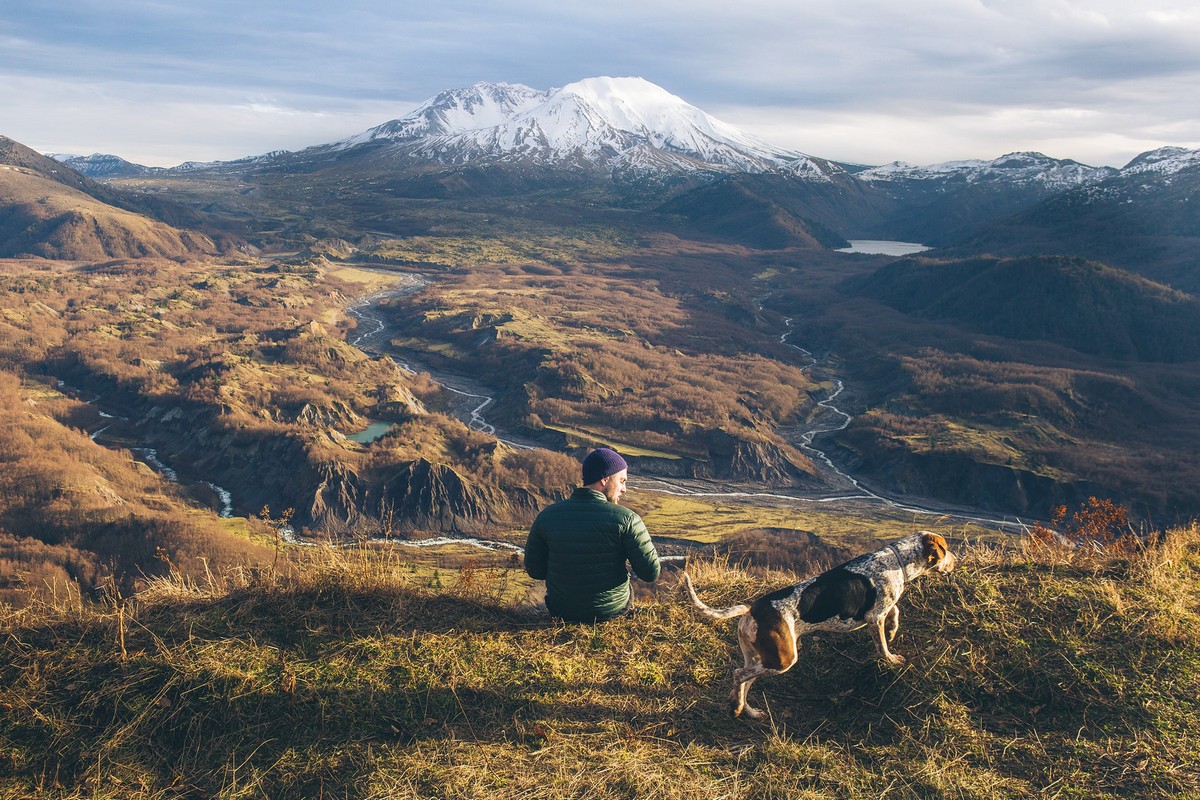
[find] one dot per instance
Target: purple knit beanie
(600, 463)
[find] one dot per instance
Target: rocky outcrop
(759, 461)
(398, 401)
(285, 472)
(417, 495)
(336, 415)
(436, 496)
(338, 496)
(329, 249)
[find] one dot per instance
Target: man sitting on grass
(580, 546)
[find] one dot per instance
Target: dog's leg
(772, 650)
(893, 626)
(878, 626)
(743, 677)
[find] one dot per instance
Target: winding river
(373, 338)
(844, 489)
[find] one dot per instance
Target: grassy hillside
(1036, 671)
(741, 211)
(75, 513)
(1086, 306)
(41, 217)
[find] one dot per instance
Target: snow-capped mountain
(1163, 161)
(102, 165)
(1014, 169)
(618, 124)
(1168, 172)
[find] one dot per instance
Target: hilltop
(1032, 671)
(50, 211)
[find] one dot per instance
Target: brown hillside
(230, 373)
(75, 513)
(43, 217)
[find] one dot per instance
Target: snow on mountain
(1013, 168)
(1148, 176)
(615, 123)
(1164, 161)
(455, 111)
(100, 165)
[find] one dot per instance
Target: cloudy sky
(159, 82)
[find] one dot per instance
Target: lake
(882, 247)
(373, 431)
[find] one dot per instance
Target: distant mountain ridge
(941, 204)
(1144, 218)
(628, 143)
(51, 211)
(1022, 168)
(103, 165)
(1165, 161)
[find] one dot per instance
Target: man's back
(580, 546)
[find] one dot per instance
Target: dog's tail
(712, 613)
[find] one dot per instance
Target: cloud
(162, 125)
(220, 78)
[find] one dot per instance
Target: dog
(861, 593)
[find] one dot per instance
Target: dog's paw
(895, 660)
(752, 712)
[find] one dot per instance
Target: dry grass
(1032, 672)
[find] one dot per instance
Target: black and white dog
(860, 593)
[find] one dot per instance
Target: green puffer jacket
(579, 547)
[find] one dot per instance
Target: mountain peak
(1165, 160)
(632, 104)
(455, 111)
(605, 123)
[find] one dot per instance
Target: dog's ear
(934, 547)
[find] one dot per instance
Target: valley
(838, 493)
(488, 305)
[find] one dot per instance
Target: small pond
(372, 432)
(882, 247)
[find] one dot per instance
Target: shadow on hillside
(293, 618)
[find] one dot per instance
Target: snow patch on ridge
(1165, 161)
(1013, 168)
